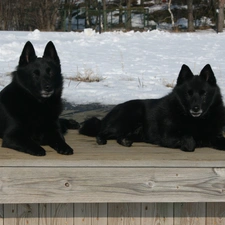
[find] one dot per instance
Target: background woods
(52, 15)
(29, 15)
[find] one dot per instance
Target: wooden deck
(111, 184)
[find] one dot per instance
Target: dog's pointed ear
(28, 54)
(51, 53)
(184, 75)
(208, 75)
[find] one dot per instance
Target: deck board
(112, 173)
(88, 154)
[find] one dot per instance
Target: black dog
(192, 115)
(31, 104)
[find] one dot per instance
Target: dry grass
(168, 84)
(141, 82)
(88, 75)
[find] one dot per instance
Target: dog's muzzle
(46, 94)
(196, 112)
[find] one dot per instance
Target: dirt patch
(82, 112)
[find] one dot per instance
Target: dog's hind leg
(218, 143)
(103, 136)
(135, 136)
(20, 141)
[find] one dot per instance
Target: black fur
(192, 115)
(31, 104)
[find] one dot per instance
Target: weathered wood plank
(190, 213)
(56, 214)
(10, 214)
(88, 154)
(157, 214)
(1, 214)
(99, 214)
(90, 185)
(45, 214)
(27, 214)
(90, 214)
(62, 214)
(124, 214)
(83, 214)
(215, 213)
(118, 214)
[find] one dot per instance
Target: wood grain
(91, 185)
(90, 214)
(88, 154)
(124, 214)
(190, 213)
(11, 214)
(1, 214)
(157, 214)
(216, 213)
(107, 185)
(27, 214)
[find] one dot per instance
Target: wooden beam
(89, 185)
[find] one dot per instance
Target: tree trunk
(171, 14)
(120, 12)
(128, 18)
(190, 16)
(105, 22)
(220, 16)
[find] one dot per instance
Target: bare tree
(220, 24)
(44, 14)
(190, 16)
(6, 14)
(171, 13)
(27, 15)
(104, 15)
(128, 18)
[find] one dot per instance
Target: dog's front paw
(65, 151)
(38, 152)
(62, 148)
(125, 142)
(188, 144)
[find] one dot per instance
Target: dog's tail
(90, 127)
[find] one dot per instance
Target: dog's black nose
(196, 108)
(47, 87)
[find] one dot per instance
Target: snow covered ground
(129, 65)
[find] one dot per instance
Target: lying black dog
(192, 115)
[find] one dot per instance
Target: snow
(130, 65)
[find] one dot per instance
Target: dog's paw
(38, 152)
(101, 141)
(31, 147)
(65, 151)
(125, 142)
(188, 144)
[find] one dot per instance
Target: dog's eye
(190, 92)
(202, 92)
(49, 72)
(36, 74)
